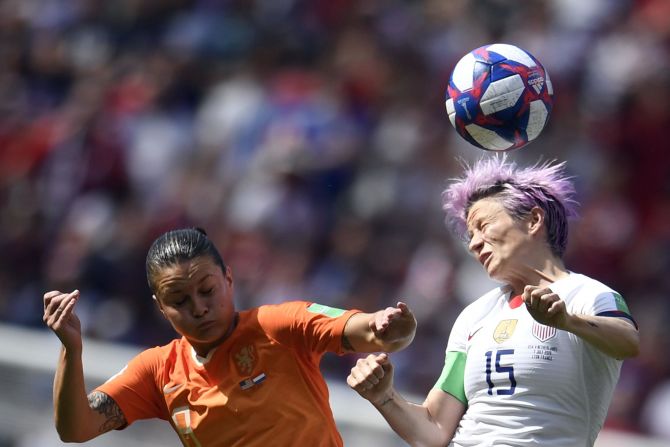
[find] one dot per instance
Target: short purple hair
(518, 190)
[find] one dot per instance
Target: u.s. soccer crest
(542, 332)
(504, 330)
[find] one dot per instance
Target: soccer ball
(499, 97)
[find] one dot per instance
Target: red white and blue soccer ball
(499, 97)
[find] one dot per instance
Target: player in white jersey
(534, 361)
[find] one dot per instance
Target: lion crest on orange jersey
(245, 360)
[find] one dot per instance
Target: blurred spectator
(310, 139)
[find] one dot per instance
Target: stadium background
(310, 140)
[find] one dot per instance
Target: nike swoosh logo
(171, 389)
(473, 334)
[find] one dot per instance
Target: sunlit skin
(513, 251)
(196, 297)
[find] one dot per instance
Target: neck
(542, 275)
(203, 351)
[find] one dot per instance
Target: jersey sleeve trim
(619, 314)
(452, 379)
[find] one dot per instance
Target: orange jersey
(262, 386)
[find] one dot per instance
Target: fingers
(383, 319)
(538, 299)
(544, 305)
(58, 307)
(49, 295)
(403, 308)
(369, 372)
(556, 308)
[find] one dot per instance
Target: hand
(394, 324)
(545, 306)
(372, 377)
(60, 317)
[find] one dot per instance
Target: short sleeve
(452, 379)
(458, 336)
(314, 327)
(607, 304)
(134, 388)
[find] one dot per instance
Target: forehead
(483, 209)
(185, 272)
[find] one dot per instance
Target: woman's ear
(536, 221)
(228, 276)
(159, 305)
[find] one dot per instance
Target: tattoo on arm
(592, 324)
(106, 406)
(387, 400)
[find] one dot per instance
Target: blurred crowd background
(309, 138)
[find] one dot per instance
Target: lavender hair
(519, 190)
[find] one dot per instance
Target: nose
(200, 307)
(475, 243)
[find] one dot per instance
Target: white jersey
(529, 384)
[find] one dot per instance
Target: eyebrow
(472, 219)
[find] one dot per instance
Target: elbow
(71, 436)
(631, 348)
(427, 443)
(634, 349)
(398, 345)
(627, 353)
(68, 437)
(634, 345)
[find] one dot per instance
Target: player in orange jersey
(248, 378)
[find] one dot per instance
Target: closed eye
(180, 303)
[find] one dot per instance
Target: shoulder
(578, 284)
(481, 308)
(298, 309)
(586, 295)
(485, 303)
(274, 317)
(157, 356)
(473, 316)
(578, 279)
(287, 308)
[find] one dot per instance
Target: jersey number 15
(500, 369)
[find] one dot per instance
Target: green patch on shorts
(332, 312)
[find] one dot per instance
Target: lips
(206, 325)
(484, 257)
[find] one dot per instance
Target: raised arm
(432, 423)
(388, 330)
(616, 337)
(78, 417)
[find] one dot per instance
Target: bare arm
(616, 337)
(431, 424)
(388, 330)
(78, 417)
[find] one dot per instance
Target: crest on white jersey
(504, 330)
(542, 332)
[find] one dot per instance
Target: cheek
(223, 306)
(174, 317)
(492, 237)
